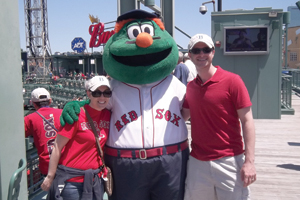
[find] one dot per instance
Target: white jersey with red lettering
(147, 116)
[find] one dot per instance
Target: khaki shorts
(215, 180)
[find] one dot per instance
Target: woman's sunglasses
(98, 93)
(204, 50)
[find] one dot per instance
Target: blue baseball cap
(137, 14)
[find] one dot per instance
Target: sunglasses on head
(198, 50)
(98, 93)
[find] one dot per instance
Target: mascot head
(141, 51)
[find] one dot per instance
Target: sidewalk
(277, 158)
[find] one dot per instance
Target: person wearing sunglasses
(80, 151)
(221, 165)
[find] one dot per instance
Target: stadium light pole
(219, 5)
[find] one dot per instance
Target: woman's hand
(47, 183)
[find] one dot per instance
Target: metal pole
(286, 46)
(219, 5)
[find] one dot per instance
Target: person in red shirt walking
(217, 101)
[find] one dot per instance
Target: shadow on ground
(294, 143)
(290, 166)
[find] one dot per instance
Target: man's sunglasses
(204, 50)
(98, 93)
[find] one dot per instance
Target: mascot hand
(71, 111)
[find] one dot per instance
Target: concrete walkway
(278, 157)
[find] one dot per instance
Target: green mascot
(147, 148)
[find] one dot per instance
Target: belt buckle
(140, 154)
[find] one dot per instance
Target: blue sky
(68, 19)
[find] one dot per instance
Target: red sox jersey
(147, 116)
(43, 134)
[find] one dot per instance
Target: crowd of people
(80, 75)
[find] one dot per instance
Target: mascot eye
(148, 28)
(133, 31)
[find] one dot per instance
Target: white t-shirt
(192, 68)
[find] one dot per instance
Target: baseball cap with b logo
(96, 82)
(201, 38)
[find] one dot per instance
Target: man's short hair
(42, 103)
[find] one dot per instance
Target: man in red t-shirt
(217, 101)
(43, 133)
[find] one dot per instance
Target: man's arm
(185, 112)
(26, 126)
(248, 172)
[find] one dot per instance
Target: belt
(146, 153)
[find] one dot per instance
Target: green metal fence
(295, 73)
(34, 176)
(286, 94)
(290, 82)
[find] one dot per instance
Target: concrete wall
(261, 73)
(12, 141)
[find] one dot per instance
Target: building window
(293, 56)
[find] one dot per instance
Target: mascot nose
(144, 40)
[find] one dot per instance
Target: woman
(80, 154)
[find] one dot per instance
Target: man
(242, 41)
(43, 132)
(217, 101)
(181, 70)
(261, 41)
(191, 67)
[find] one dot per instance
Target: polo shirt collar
(215, 78)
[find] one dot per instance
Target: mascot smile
(147, 147)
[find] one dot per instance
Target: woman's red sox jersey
(146, 116)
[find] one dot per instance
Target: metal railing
(295, 73)
(34, 176)
(286, 91)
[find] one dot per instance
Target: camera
(202, 9)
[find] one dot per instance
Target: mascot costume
(147, 147)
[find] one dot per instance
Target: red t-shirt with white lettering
(81, 152)
(43, 134)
